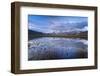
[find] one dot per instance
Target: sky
(50, 24)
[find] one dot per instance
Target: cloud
(34, 27)
(68, 27)
(79, 29)
(57, 24)
(85, 28)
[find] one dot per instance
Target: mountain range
(73, 34)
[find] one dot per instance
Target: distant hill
(70, 34)
(85, 33)
(34, 34)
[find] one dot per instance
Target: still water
(49, 48)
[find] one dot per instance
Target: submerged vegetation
(47, 48)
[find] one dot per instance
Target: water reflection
(48, 48)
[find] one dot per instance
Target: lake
(49, 48)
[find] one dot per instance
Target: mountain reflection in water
(49, 48)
